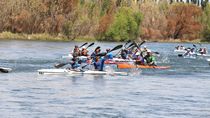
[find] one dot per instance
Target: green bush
(125, 26)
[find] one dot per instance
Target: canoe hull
(66, 71)
(128, 66)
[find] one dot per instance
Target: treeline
(111, 20)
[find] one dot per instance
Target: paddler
(96, 51)
(139, 60)
(109, 55)
(124, 53)
(75, 62)
(76, 51)
(144, 51)
(203, 51)
(84, 51)
(150, 58)
(99, 63)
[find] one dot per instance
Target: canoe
(69, 56)
(72, 72)
(5, 70)
(208, 60)
(127, 66)
(202, 55)
(118, 61)
(180, 51)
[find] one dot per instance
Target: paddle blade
(180, 55)
(101, 54)
(60, 65)
(84, 66)
(127, 42)
(116, 48)
(131, 45)
(3, 70)
(141, 43)
(90, 45)
(83, 45)
(156, 52)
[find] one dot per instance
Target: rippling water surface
(180, 92)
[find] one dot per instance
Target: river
(183, 91)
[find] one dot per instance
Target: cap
(149, 51)
(83, 47)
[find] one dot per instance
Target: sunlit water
(180, 92)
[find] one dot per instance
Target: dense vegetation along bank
(107, 20)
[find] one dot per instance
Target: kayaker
(189, 52)
(84, 52)
(139, 60)
(96, 51)
(109, 55)
(134, 55)
(203, 51)
(150, 58)
(124, 54)
(99, 64)
(75, 63)
(76, 51)
(144, 51)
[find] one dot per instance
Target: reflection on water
(182, 91)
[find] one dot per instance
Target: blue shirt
(99, 65)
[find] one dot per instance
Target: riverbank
(48, 37)
(40, 37)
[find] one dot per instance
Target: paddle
(131, 45)
(60, 65)
(83, 45)
(127, 42)
(138, 46)
(90, 45)
(141, 43)
(156, 52)
(115, 48)
(125, 47)
(3, 70)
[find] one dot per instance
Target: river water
(180, 92)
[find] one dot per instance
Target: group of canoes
(130, 55)
(191, 52)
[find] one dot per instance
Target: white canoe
(202, 55)
(66, 71)
(190, 57)
(208, 60)
(69, 56)
(5, 70)
(180, 51)
(122, 60)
